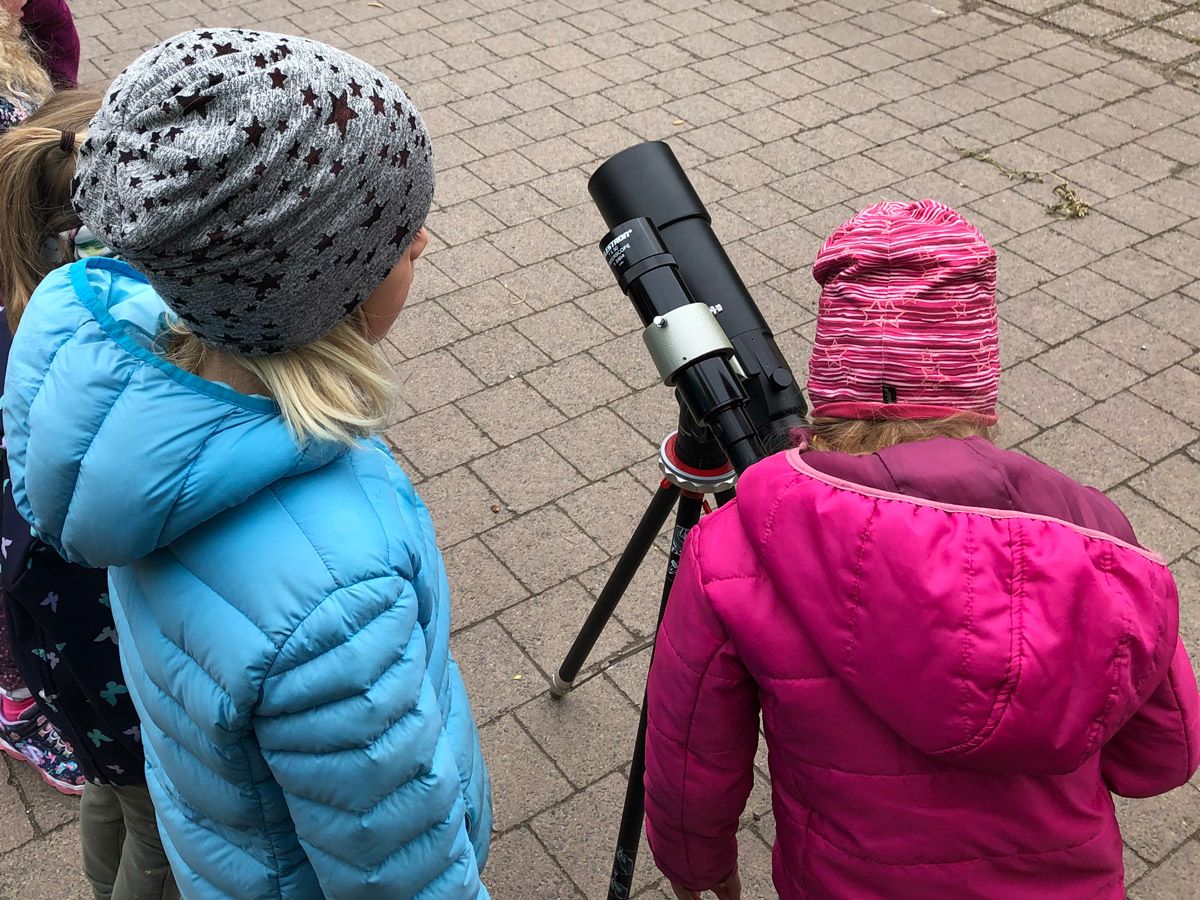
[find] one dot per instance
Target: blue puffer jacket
(283, 614)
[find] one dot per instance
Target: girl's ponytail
(37, 163)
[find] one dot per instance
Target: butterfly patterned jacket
(283, 612)
(64, 643)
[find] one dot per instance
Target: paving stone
(1175, 391)
(1098, 232)
(1156, 825)
(638, 609)
(1155, 45)
(599, 443)
(499, 354)
(1084, 454)
(1011, 210)
(524, 779)
(1175, 314)
(563, 330)
(793, 115)
(480, 585)
(1094, 295)
(1044, 317)
(439, 440)
(1137, 342)
(497, 674)
(1139, 272)
(1187, 578)
(754, 864)
(461, 505)
(1135, 866)
(485, 305)
(473, 263)
(577, 384)
(1016, 345)
(626, 356)
(1052, 251)
(15, 825)
(527, 474)
(581, 834)
(49, 868)
(519, 866)
(546, 626)
(1089, 368)
(1040, 397)
(629, 673)
(543, 548)
(1143, 428)
(1155, 528)
(609, 510)
(1174, 484)
(1175, 879)
(1088, 21)
(589, 733)
(434, 379)
(510, 411)
(1013, 428)
(1179, 194)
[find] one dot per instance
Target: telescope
(738, 400)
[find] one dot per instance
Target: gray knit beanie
(265, 184)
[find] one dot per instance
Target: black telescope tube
(715, 397)
(646, 180)
(711, 391)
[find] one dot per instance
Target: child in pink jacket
(957, 652)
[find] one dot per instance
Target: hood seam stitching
(183, 484)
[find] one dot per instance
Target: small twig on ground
(1013, 174)
(1069, 206)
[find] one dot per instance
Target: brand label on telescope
(615, 250)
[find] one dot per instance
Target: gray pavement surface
(531, 415)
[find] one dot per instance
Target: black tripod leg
(635, 551)
(634, 810)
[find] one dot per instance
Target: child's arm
(702, 732)
(1159, 748)
(52, 28)
(352, 731)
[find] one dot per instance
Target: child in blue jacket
(200, 420)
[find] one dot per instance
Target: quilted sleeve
(351, 729)
(52, 28)
(702, 731)
(1159, 748)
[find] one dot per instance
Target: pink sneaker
(32, 739)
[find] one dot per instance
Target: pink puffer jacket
(957, 653)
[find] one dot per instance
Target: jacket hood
(993, 638)
(113, 451)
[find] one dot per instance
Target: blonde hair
(337, 388)
(35, 193)
(21, 74)
(863, 436)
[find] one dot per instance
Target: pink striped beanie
(906, 326)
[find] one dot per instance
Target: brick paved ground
(531, 411)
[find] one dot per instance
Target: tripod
(693, 466)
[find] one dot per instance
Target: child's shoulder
(359, 515)
(339, 536)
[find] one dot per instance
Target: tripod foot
(558, 687)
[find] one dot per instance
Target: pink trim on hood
(795, 457)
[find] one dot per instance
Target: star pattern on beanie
(201, 127)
